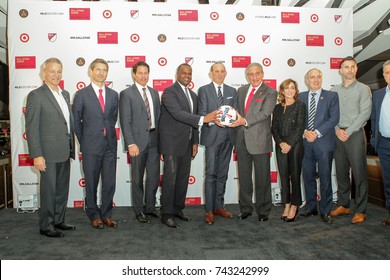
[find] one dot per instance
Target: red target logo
(82, 182)
(214, 16)
(191, 180)
(107, 14)
(191, 85)
(162, 61)
(134, 38)
(80, 85)
(24, 37)
(314, 18)
(240, 39)
(25, 136)
(338, 41)
(266, 62)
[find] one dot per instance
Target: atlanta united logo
(291, 62)
(162, 38)
(23, 13)
(80, 61)
(240, 16)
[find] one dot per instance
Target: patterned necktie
(147, 106)
(220, 98)
(248, 102)
(312, 112)
(101, 101)
(188, 99)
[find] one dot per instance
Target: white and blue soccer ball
(228, 115)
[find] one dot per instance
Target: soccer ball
(228, 115)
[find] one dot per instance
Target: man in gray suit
(139, 112)
(49, 130)
(218, 141)
(256, 102)
(95, 111)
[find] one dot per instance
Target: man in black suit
(178, 136)
(218, 140)
(49, 130)
(139, 112)
(95, 111)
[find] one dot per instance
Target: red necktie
(101, 101)
(248, 102)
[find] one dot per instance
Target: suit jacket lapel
(258, 96)
(52, 99)
(182, 96)
(243, 97)
(214, 97)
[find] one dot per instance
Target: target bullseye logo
(134, 38)
(314, 18)
(266, 62)
(25, 136)
(191, 180)
(82, 182)
(107, 14)
(240, 39)
(191, 85)
(80, 85)
(214, 16)
(24, 37)
(338, 41)
(162, 61)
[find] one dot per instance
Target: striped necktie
(312, 112)
(220, 98)
(147, 106)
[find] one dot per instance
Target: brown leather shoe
(223, 213)
(110, 223)
(340, 211)
(209, 218)
(97, 223)
(358, 218)
(386, 222)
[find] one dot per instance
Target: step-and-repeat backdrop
(286, 41)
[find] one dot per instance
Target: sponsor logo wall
(286, 41)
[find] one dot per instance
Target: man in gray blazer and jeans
(49, 130)
(256, 102)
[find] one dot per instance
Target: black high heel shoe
(293, 218)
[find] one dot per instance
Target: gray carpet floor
(228, 239)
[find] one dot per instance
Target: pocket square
(229, 97)
(259, 100)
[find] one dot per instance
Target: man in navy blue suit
(319, 144)
(218, 141)
(380, 127)
(95, 110)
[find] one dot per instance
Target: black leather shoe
(309, 213)
(243, 216)
(183, 217)
(52, 233)
(64, 226)
(327, 218)
(170, 223)
(153, 214)
(142, 218)
(263, 218)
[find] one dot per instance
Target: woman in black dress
(288, 125)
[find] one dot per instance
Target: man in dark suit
(380, 127)
(319, 143)
(218, 141)
(178, 136)
(256, 102)
(95, 111)
(49, 130)
(139, 112)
